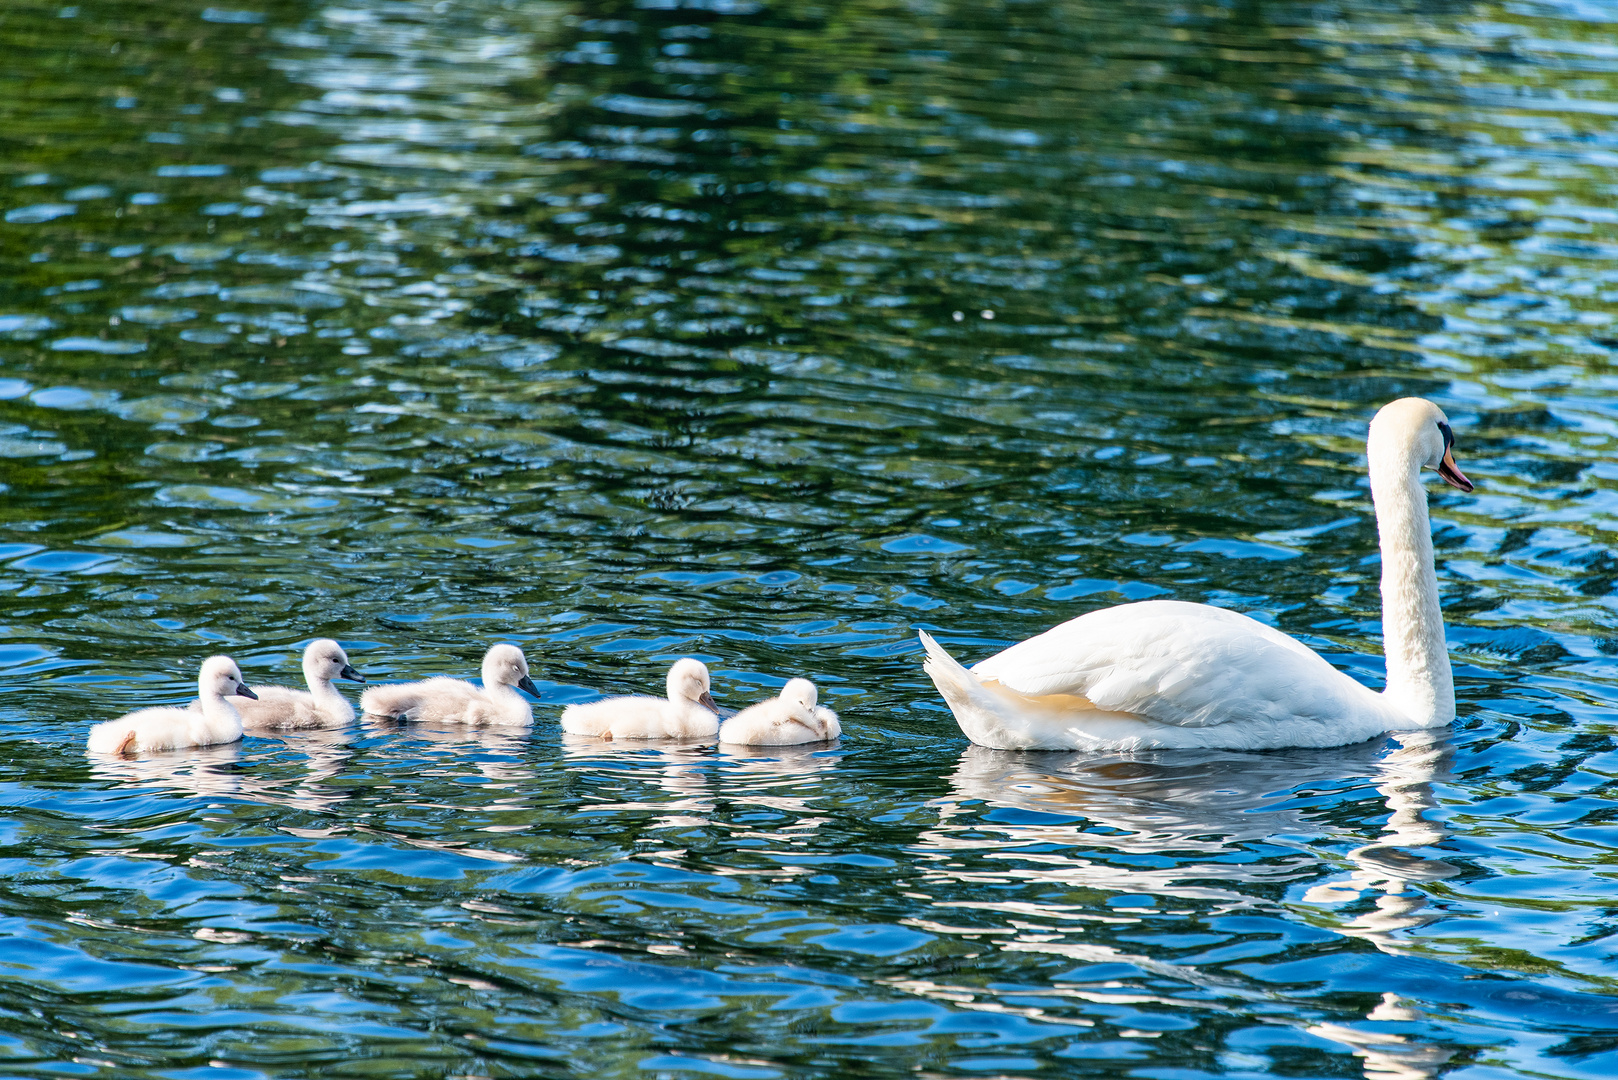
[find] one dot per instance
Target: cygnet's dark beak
(707, 702)
(1452, 473)
(526, 685)
(348, 672)
(242, 690)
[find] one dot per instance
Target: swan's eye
(1449, 436)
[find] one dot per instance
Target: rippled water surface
(769, 333)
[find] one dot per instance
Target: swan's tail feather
(958, 685)
(981, 710)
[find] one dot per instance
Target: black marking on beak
(526, 685)
(242, 690)
(348, 672)
(1447, 468)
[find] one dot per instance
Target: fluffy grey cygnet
(170, 727)
(453, 701)
(791, 718)
(689, 711)
(321, 706)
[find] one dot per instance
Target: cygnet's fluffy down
(321, 706)
(452, 701)
(172, 727)
(793, 717)
(689, 711)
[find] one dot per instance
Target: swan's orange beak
(1452, 473)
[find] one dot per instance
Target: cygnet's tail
(113, 737)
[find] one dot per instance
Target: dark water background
(767, 333)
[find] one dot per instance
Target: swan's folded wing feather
(1168, 661)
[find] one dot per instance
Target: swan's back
(1172, 662)
(1170, 673)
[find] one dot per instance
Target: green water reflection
(769, 333)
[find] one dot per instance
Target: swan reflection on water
(1191, 806)
(1082, 811)
(1404, 777)
(1087, 821)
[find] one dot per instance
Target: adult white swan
(1167, 674)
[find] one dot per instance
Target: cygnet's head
(1414, 431)
(801, 695)
(325, 660)
(688, 681)
(505, 665)
(221, 676)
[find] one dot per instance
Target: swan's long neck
(1419, 680)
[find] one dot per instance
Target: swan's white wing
(1189, 665)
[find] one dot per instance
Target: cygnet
(689, 712)
(321, 706)
(172, 727)
(793, 717)
(452, 701)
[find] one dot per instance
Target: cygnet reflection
(781, 778)
(326, 753)
(498, 753)
(207, 772)
(275, 779)
(622, 772)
